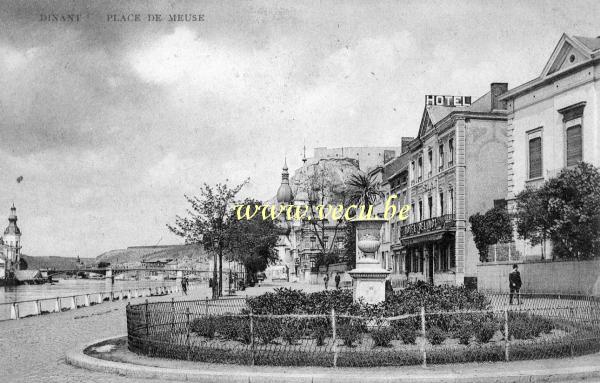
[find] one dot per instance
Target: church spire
(284, 193)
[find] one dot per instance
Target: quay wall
(553, 277)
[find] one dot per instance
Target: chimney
(405, 142)
(497, 89)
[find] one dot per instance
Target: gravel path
(32, 349)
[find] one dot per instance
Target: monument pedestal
(369, 281)
(368, 275)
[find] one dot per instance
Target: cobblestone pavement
(32, 349)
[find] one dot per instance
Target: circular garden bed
(289, 327)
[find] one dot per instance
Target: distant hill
(34, 263)
(184, 254)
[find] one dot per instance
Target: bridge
(110, 272)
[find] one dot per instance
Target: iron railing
(225, 331)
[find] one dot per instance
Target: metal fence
(224, 331)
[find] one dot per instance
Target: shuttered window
(535, 157)
(574, 149)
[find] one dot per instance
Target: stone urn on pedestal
(369, 277)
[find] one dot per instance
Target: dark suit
(514, 282)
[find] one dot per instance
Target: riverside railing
(41, 306)
(225, 331)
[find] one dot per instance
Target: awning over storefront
(438, 236)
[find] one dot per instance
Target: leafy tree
(22, 264)
(322, 190)
(565, 209)
(103, 265)
(350, 246)
(208, 223)
(489, 228)
(251, 242)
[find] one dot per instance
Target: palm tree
(364, 189)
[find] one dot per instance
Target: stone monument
(368, 275)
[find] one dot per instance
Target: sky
(111, 123)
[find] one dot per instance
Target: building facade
(457, 167)
(553, 123)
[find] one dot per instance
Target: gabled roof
(570, 52)
(433, 114)
(592, 43)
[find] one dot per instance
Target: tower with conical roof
(284, 193)
(12, 239)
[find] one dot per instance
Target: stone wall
(561, 277)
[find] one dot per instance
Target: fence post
(147, 313)
(57, 305)
(252, 337)
(86, 301)
(14, 311)
(187, 336)
(73, 303)
(38, 307)
(506, 336)
(423, 333)
(172, 314)
(334, 329)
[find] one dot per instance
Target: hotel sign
(447, 100)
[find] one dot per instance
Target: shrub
(204, 326)
(486, 330)
(382, 336)
(541, 325)
(521, 325)
(350, 330)
(320, 329)
(408, 335)
(291, 329)
(267, 329)
(229, 327)
(464, 333)
(436, 335)
(279, 302)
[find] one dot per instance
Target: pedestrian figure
(210, 282)
(514, 280)
(326, 280)
(184, 284)
(389, 290)
(337, 280)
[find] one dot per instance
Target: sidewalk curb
(77, 358)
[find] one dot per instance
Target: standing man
(337, 280)
(514, 281)
(184, 285)
(326, 280)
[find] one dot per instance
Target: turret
(284, 193)
(12, 238)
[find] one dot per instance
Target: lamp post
(215, 283)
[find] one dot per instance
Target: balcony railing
(444, 222)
